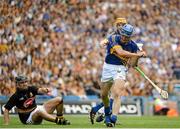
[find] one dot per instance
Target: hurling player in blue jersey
(119, 23)
(118, 51)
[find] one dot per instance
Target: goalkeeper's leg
(56, 104)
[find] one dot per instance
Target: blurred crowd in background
(56, 43)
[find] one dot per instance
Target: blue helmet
(127, 30)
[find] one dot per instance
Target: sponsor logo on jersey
(28, 102)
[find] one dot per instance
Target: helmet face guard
(21, 83)
(21, 79)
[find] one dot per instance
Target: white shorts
(39, 108)
(112, 72)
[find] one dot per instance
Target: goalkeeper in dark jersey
(28, 111)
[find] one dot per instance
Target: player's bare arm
(133, 61)
(6, 117)
(127, 54)
(43, 90)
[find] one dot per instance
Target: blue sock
(107, 111)
(97, 107)
(111, 104)
(114, 118)
(107, 114)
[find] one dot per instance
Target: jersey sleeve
(114, 42)
(34, 90)
(11, 102)
(135, 48)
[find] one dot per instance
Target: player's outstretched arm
(43, 90)
(124, 53)
(6, 117)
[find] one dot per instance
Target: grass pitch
(82, 121)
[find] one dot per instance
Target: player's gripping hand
(141, 54)
(103, 43)
(133, 61)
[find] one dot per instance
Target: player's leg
(39, 115)
(111, 102)
(107, 82)
(94, 110)
(56, 104)
(48, 108)
(104, 92)
(101, 116)
(117, 91)
(105, 88)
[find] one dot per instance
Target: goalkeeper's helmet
(21, 79)
(126, 32)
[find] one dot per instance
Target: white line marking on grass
(94, 128)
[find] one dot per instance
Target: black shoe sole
(100, 118)
(109, 124)
(91, 114)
